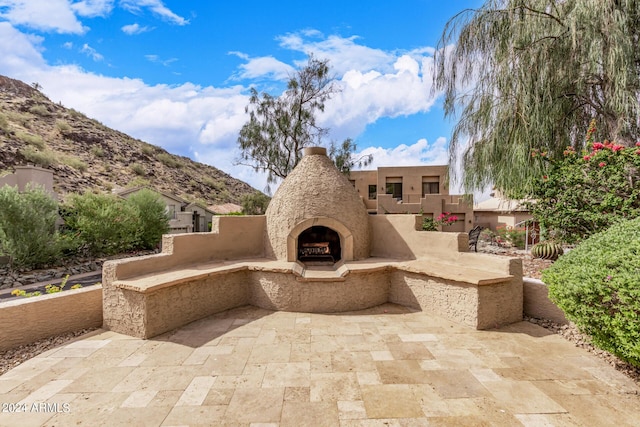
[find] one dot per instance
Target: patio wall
(26, 320)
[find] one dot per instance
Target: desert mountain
(86, 155)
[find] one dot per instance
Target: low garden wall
(25, 320)
(537, 303)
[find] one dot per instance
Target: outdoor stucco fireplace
(317, 215)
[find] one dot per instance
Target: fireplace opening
(319, 244)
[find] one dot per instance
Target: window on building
(171, 210)
(430, 188)
(373, 192)
(395, 189)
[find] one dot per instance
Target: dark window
(395, 189)
(430, 188)
(373, 192)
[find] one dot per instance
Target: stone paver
(387, 366)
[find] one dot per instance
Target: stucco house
(413, 190)
(499, 211)
(184, 216)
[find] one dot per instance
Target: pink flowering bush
(587, 192)
(444, 219)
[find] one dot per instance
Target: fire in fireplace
(319, 243)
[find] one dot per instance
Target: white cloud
(262, 67)
(45, 15)
(92, 8)
(157, 7)
(417, 154)
(158, 60)
(132, 29)
(91, 52)
(19, 53)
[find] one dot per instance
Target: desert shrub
(147, 149)
(596, 285)
(39, 110)
(34, 140)
(153, 217)
(168, 160)
(44, 158)
(514, 236)
(4, 123)
(28, 232)
(443, 220)
(63, 126)
(97, 151)
(138, 169)
(254, 203)
(103, 223)
(75, 163)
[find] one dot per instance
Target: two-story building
(413, 190)
(184, 217)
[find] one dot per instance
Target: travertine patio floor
(386, 366)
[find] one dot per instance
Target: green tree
(152, 215)
(104, 223)
(254, 203)
(280, 127)
(28, 232)
(344, 158)
(532, 74)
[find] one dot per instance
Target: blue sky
(177, 73)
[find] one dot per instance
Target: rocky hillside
(86, 155)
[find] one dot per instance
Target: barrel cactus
(546, 250)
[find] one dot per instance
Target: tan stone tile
(231, 364)
(615, 379)
(401, 372)
(297, 394)
(334, 387)
(167, 354)
(381, 355)
(255, 405)
(351, 409)
(601, 410)
(409, 351)
(317, 414)
(455, 383)
(368, 378)
(25, 419)
(287, 375)
(324, 344)
(171, 377)
(46, 392)
(560, 387)
(522, 397)
(218, 396)
(547, 420)
(134, 379)
(457, 358)
(352, 361)
(292, 336)
(166, 398)
(196, 391)
(391, 401)
(99, 380)
(270, 353)
(139, 399)
(194, 416)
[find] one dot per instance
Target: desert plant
(28, 232)
(39, 110)
(63, 126)
(44, 158)
(103, 223)
(147, 149)
(514, 236)
(596, 285)
(168, 160)
(4, 123)
(547, 250)
(97, 151)
(153, 217)
(34, 140)
(74, 162)
(138, 169)
(255, 203)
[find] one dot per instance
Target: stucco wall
(284, 292)
(395, 236)
(231, 237)
(537, 303)
(30, 319)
